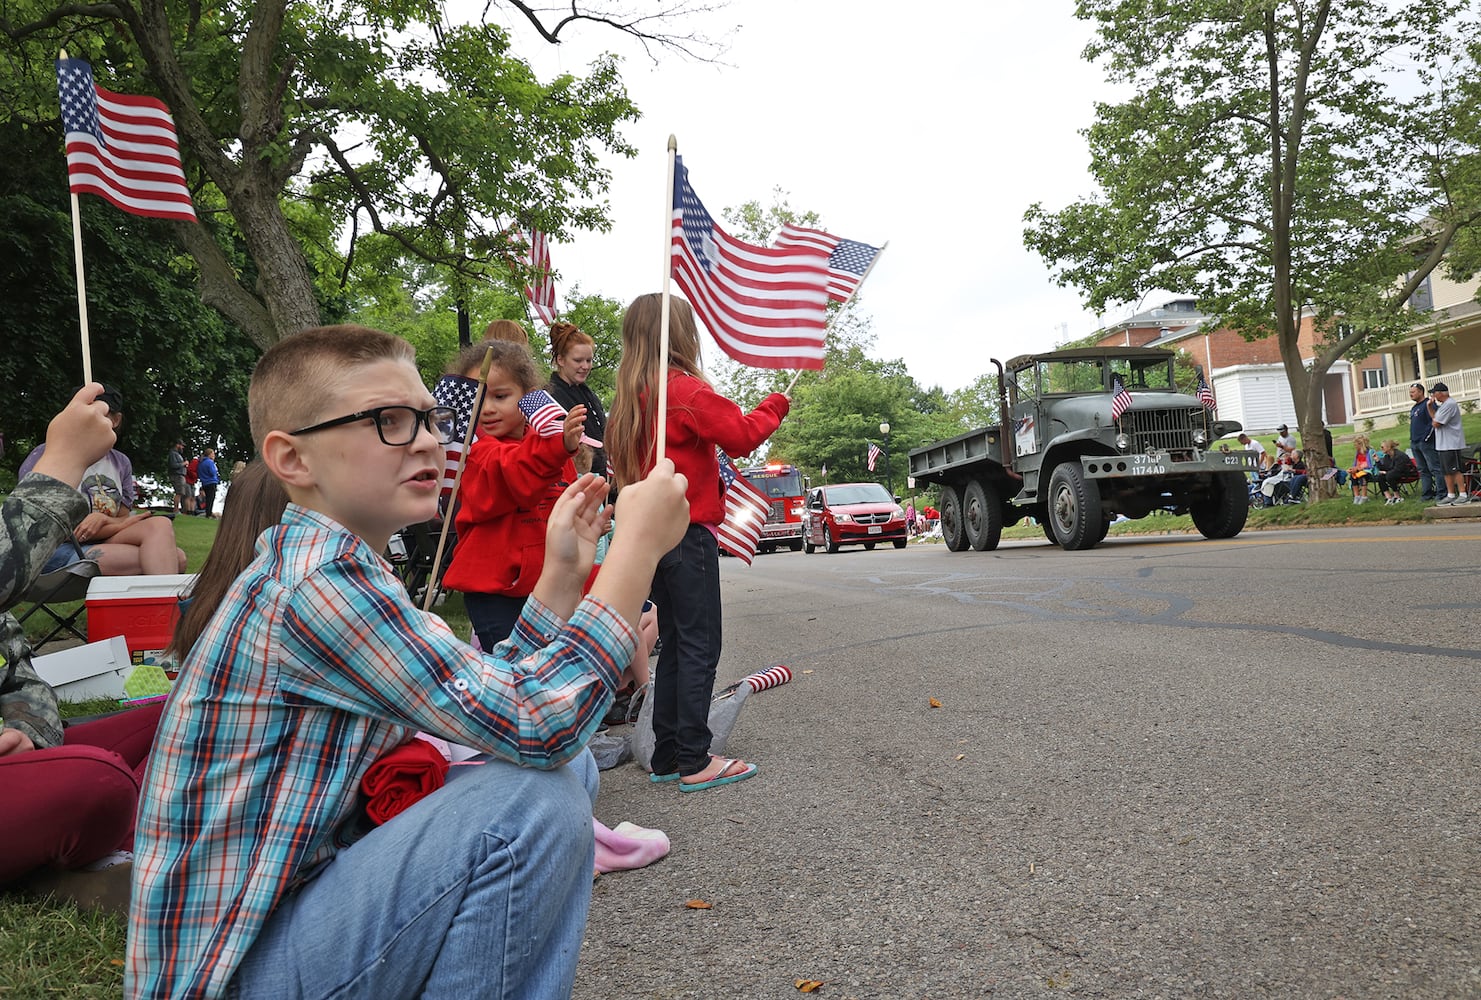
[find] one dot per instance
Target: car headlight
(1123, 442)
(1200, 438)
(899, 512)
(843, 518)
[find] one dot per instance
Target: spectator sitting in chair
(1394, 469)
(1296, 488)
(123, 542)
(1364, 466)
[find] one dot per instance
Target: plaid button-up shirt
(316, 665)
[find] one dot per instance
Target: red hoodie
(699, 419)
(508, 489)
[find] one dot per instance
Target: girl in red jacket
(686, 586)
(510, 481)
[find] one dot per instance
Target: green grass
(58, 951)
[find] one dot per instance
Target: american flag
(120, 147)
(765, 306)
(848, 260)
(1120, 398)
(456, 391)
(874, 453)
(542, 293)
(745, 513)
(544, 414)
(1205, 393)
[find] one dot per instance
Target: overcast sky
(933, 130)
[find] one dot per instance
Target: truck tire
(1074, 508)
(953, 531)
(981, 516)
(795, 546)
(1223, 514)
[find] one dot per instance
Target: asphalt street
(1166, 767)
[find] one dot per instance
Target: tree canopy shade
(183, 369)
(1280, 159)
(305, 126)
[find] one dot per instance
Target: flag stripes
(745, 513)
(542, 292)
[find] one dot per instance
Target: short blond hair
(507, 329)
(298, 374)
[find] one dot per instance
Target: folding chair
(1470, 470)
(61, 586)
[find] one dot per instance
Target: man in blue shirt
(210, 479)
(1422, 445)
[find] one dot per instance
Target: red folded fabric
(402, 777)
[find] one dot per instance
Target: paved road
(1167, 767)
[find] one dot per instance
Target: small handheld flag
(546, 416)
(745, 512)
(120, 147)
(765, 306)
(456, 391)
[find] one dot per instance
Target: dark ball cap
(112, 397)
(1440, 387)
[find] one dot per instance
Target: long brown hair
(631, 424)
(254, 503)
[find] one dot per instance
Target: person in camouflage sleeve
(67, 800)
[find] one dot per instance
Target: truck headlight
(1123, 442)
(1200, 438)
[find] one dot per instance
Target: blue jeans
(1431, 480)
(492, 616)
(686, 588)
(479, 890)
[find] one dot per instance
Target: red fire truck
(783, 488)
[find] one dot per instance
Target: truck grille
(1161, 430)
(777, 513)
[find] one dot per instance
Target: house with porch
(1444, 347)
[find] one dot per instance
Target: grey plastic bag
(725, 708)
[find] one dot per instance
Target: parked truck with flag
(1085, 435)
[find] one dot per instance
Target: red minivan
(852, 514)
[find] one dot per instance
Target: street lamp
(884, 428)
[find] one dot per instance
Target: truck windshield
(1071, 376)
(857, 493)
(776, 484)
(1144, 373)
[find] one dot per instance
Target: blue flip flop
(722, 779)
(656, 778)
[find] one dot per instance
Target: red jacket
(699, 419)
(504, 505)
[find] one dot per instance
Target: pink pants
(68, 805)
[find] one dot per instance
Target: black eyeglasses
(398, 425)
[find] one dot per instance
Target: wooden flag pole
(87, 354)
(663, 317)
(788, 390)
(452, 498)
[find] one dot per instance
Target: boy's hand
(577, 521)
(655, 512)
(77, 437)
(573, 427)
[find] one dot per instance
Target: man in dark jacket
(1422, 445)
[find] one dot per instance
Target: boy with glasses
(256, 873)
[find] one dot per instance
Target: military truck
(1086, 434)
